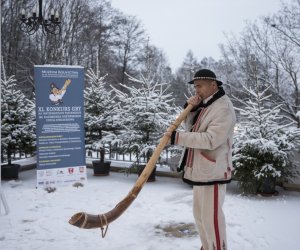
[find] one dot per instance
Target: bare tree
(286, 43)
(153, 62)
(89, 28)
(129, 37)
(274, 44)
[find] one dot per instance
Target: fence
(17, 156)
(166, 158)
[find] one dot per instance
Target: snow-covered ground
(39, 220)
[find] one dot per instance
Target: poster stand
(2, 197)
(3, 200)
(59, 125)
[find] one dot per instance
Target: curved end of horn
(87, 221)
(77, 219)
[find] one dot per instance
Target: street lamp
(31, 24)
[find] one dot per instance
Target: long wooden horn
(88, 221)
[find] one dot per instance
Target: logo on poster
(60, 171)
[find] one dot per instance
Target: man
(57, 94)
(206, 159)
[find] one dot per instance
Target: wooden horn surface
(89, 221)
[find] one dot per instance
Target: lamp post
(35, 20)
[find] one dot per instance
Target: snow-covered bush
(17, 120)
(101, 113)
(262, 145)
(147, 111)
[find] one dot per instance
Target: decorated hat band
(204, 78)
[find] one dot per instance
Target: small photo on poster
(56, 93)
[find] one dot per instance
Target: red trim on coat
(216, 221)
(229, 152)
(176, 138)
(190, 157)
(198, 119)
(207, 157)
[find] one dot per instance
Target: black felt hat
(53, 85)
(205, 74)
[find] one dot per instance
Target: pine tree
(101, 113)
(147, 111)
(17, 120)
(262, 144)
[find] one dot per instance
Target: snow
(39, 220)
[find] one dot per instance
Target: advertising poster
(60, 125)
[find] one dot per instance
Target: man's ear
(215, 85)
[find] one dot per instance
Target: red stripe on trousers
(216, 221)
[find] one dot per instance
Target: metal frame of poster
(59, 125)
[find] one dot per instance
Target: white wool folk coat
(209, 144)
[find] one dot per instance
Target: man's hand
(194, 100)
(67, 82)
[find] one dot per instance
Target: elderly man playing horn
(206, 160)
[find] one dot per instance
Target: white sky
(176, 26)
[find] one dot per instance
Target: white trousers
(209, 217)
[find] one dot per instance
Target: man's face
(205, 88)
(55, 91)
